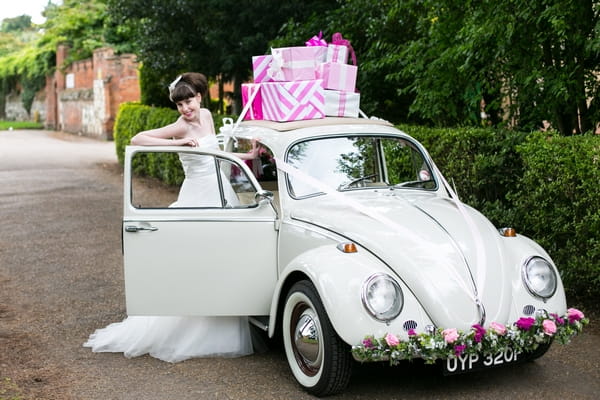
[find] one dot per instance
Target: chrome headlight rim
(527, 281)
(399, 297)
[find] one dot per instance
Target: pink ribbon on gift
(337, 39)
(316, 40)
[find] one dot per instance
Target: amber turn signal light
(348, 247)
(509, 232)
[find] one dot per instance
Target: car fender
(518, 249)
(338, 278)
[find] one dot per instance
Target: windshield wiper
(345, 186)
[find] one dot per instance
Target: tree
(531, 61)
(20, 23)
(78, 23)
(216, 37)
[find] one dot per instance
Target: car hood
(450, 259)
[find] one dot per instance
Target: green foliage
(7, 125)
(557, 205)
(31, 56)
(545, 186)
(19, 24)
(154, 87)
(133, 118)
(215, 37)
(481, 163)
(433, 61)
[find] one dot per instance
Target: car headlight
(382, 297)
(539, 277)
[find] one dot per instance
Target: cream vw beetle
(343, 229)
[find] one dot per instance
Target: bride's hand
(255, 151)
(187, 141)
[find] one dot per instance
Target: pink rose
(498, 328)
(549, 327)
(391, 340)
(525, 323)
(450, 335)
(574, 315)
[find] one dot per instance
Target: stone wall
(14, 110)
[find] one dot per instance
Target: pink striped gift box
(292, 101)
(260, 66)
(341, 104)
(255, 109)
(296, 63)
(338, 76)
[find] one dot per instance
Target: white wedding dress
(175, 338)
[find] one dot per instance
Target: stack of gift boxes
(296, 83)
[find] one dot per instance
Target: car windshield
(357, 162)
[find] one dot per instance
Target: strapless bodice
(195, 165)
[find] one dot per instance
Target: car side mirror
(264, 195)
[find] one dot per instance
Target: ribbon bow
(316, 40)
(337, 39)
(276, 65)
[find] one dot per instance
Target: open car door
(217, 258)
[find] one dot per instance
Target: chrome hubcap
(307, 340)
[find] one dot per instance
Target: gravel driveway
(61, 278)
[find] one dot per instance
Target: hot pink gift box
(338, 76)
(260, 66)
(255, 110)
(296, 63)
(341, 104)
(292, 101)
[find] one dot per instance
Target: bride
(174, 338)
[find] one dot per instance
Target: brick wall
(84, 98)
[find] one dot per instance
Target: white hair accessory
(173, 84)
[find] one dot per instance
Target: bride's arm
(169, 135)
(252, 154)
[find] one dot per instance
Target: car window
(263, 167)
(159, 181)
(359, 162)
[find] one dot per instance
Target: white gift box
(339, 103)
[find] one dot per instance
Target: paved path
(61, 278)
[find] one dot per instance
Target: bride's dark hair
(188, 85)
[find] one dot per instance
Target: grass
(9, 390)
(7, 125)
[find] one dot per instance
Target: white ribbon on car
(370, 212)
(480, 256)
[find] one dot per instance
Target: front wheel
(319, 359)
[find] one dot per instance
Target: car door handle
(133, 228)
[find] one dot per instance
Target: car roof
(291, 125)
(278, 135)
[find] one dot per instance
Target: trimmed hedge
(482, 164)
(557, 203)
(133, 118)
(544, 185)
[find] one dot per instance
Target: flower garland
(525, 335)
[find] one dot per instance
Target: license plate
(472, 362)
